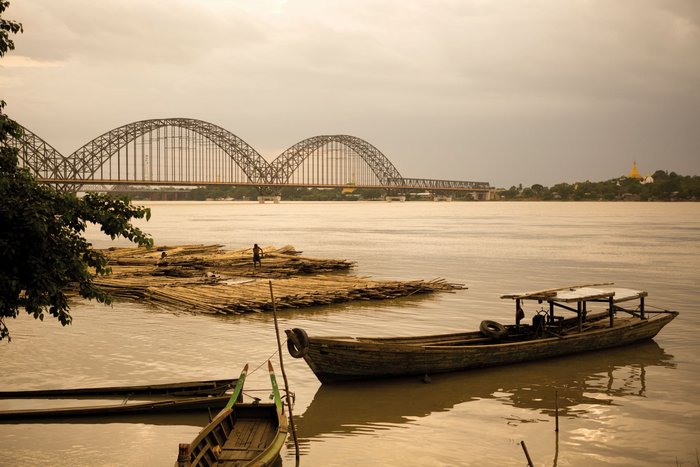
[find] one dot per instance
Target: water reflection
(589, 379)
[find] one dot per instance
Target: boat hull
(215, 387)
(138, 408)
(241, 434)
(245, 435)
(343, 359)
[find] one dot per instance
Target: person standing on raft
(257, 254)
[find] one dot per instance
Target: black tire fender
(493, 329)
(297, 342)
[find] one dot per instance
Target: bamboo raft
(209, 279)
(190, 261)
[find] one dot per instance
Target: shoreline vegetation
(661, 186)
(209, 279)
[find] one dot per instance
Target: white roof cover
(580, 294)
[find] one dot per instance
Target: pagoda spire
(634, 173)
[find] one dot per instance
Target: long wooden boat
(597, 377)
(242, 434)
(336, 359)
(215, 387)
(197, 417)
(154, 407)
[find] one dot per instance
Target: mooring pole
(527, 454)
(556, 411)
(284, 376)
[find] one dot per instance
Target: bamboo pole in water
(556, 411)
(284, 376)
(527, 454)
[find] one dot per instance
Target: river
(636, 405)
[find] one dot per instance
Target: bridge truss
(42, 159)
(169, 150)
(333, 160)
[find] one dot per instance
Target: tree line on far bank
(666, 186)
(251, 193)
(287, 193)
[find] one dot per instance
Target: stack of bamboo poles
(198, 260)
(209, 279)
(296, 292)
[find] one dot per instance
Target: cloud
(20, 61)
(495, 79)
(130, 31)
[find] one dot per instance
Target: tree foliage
(287, 193)
(665, 187)
(7, 27)
(42, 249)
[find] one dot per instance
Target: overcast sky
(503, 91)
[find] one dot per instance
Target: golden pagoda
(634, 173)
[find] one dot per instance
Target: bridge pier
(167, 196)
(442, 198)
(399, 198)
(274, 198)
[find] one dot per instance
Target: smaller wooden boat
(214, 387)
(335, 359)
(157, 407)
(242, 434)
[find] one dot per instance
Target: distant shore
(661, 186)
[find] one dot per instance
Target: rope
(264, 361)
(658, 308)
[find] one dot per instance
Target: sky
(503, 91)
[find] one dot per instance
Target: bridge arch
(331, 159)
(169, 149)
(39, 157)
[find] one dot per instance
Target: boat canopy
(575, 298)
(583, 293)
(587, 293)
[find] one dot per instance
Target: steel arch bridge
(190, 152)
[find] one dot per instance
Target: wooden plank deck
(247, 440)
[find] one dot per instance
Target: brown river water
(636, 405)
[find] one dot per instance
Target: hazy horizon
(509, 92)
